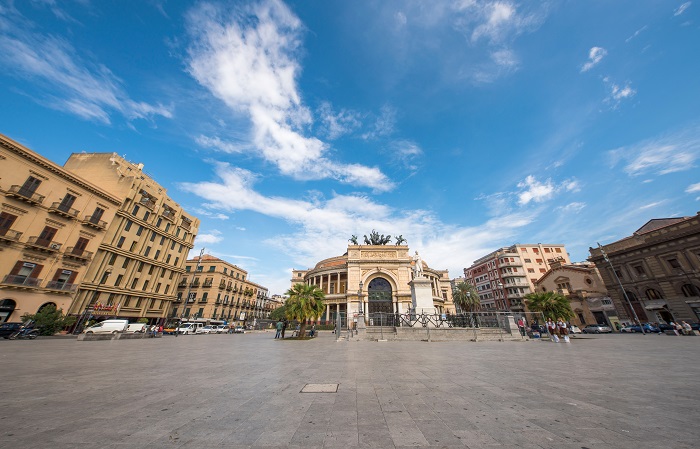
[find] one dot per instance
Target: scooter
(25, 333)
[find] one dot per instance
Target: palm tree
(305, 301)
(466, 296)
(550, 304)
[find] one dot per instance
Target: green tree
(49, 320)
(278, 313)
(466, 296)
(550, 304)
(305, 301)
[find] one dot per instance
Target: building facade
(138, 265)
(372, 279)
(51, 225)
(582, 285)
(220, 291)
(658, 267)
(505, 276)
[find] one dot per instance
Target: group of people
(558, 329)
(281, 327)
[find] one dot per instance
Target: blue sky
(287, 127)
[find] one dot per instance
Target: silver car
(596, 329)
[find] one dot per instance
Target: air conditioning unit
(54, 246)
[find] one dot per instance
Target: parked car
(6, 329)
(596, 329)
(238, 330)
(189, 328)
(136, 327)
(108, 327)
(206, 329)
(663, 327)
(222, 329)
(574, 329)
(695, 326)
(638, 329)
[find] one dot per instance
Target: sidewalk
(244, 391)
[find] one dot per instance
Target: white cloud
(323, 225)
(660, 156)
(636, 33)
(651, 205)
(617, 93)
(218, 144)
(595, 55)
(505, 58)
(384, 124)
(681, 9)
(574, 207)
(247, 57)
(693, 188)
(405, 153)
(69, 82)
(336, 124)
(209, 238)
(208, 214)
(533, 190)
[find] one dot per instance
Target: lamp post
(624, 292)
(187, 296)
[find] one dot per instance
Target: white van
(190, 328)
(108, 327)
(136, 327)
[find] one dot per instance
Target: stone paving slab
(244, 391)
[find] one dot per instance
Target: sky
(288, 127)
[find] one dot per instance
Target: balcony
(186, 223)
(182, 284)
(207, 284)
(148, 202)
(168, 214)
(18, 281)
(94, 222)
(222, 285)
(228, 289)
(9, 236)
(62, 287)
(63, 210)
(26, 195)
(77, 254)
(43, 244)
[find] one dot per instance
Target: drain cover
(320, 388)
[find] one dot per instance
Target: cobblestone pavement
(242, 391)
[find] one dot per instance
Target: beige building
(136, 268)
(51, 225)
(217, 290)
(371, 279)
(658, 267)
(582, 285)
(505, 276)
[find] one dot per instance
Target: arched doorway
(7, 306)
(638, 308)
(47, 304)
(380, 306)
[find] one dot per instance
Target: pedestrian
(563, 329)
(160, 330)
(687, 328)
(284, 327)
(552, 329)
(279, 329)
(313, 330)
(521, 326)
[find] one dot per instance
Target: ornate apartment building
(582, 285)
(51, 225)
(505, 276)
(659, 269)
(218, 290)
(142, 255)
(373, 278)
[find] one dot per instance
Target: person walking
(521, 326)
(284, 327)
(279, 329)
(552, 329)
(563, 329)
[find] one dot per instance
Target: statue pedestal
(361, 321)
(422, 296)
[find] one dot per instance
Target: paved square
(244, 390)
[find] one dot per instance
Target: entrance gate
(379, 301)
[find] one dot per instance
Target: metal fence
(462, 320)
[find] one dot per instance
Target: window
(6, 221)
(148, 250)
(204, 297)
(29, 186)
(528, 261)
(179, 250)
(535, 250)
(140, 267)
(618, 273)
(167, 259)
(199, 269)
(46, 236)
(120, 243)
(145, 285)
(530, 270)
(188, 269)
(547, 250)
(160, 304)
(177, 232)
(225, 270)
(160, 220)
(96, 215)
(127, 301)
(538, 260)
(158, 287)
(112, 259)
(119, 280)
(162, 272)
(134, 282)
(127, 226)
(105, 275)
(212, 269)
(152, 304)
(172, 273)
(157, 255)
(146, 215)
(167, 227)
(133, 245)
(167, 287)
(150, 270)
(674, 263)
(172, 245)
(652, 294)
(177, 259)
(135, 210)
(542, 270)
(153, 235)
(138, 303)
(557, 250)
(139, 230)
(162, 240)
(640, 270)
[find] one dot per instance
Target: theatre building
(51, 225)
(372, 279)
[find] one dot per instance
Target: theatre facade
(369, 279)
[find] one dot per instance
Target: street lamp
(624, 292)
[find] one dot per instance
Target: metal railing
(94, 221)
(9, 234)
(63, 209)
(28, 194)
(44, 243)
(63, 286)
(16, 279)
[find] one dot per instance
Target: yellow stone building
(217, 290)
(139, 263)
(372, 279)
(51, 225)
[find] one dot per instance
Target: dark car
(596, 329)
(665, 327)
(695, 326)
(6, 329)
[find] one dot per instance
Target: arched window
(47, 304)
(652, 294)
(690, 290)
(7, 306)
(632, 296)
